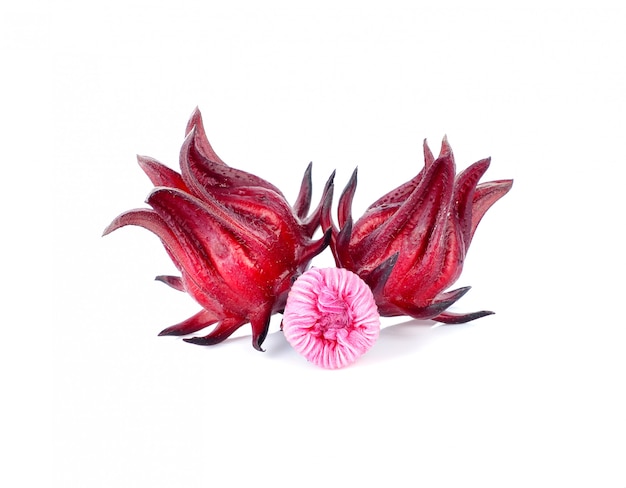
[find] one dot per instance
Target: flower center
(334, 313)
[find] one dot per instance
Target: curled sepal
(315, 219)
(161, 175)
(175, 282)
(196, 322)
(223, 330)
(343, 257)
(303, 200)
(464, 189)
(485, 196)
(202, 142)
(150, 220)
(460, 318)
(377, 279)
(344, 207)
(429, 158)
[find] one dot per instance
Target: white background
(531, 396)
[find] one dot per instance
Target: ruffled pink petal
(331, 317)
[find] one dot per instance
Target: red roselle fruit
(410, 244)
(234, 238)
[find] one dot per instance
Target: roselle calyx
(235, 240)
(410, 245)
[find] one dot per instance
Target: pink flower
(331, 317)
(409, 246)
